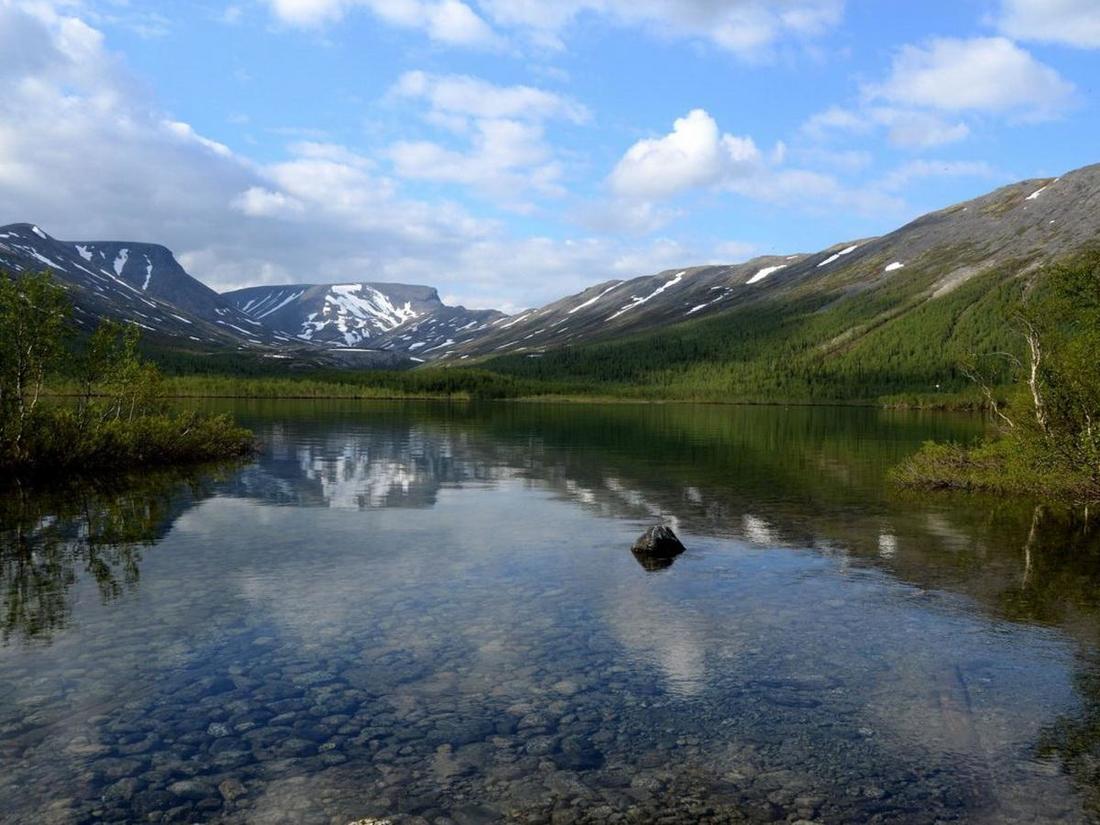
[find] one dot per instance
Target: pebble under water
(417, 613)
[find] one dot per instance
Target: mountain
(863, 319)
(390, 317)
(1011, 231)
(137, 282)
(144, 284)
(880, 314)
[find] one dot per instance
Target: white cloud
(747, 27)
(1070, 22)
(817, 192)
(505, 156)
(697, 155)
(836, 118)
(990, 75)
(472, 97)
(446, 21)
(505, 159)
(907, 128)
(911, 129)
(87, 155)
(256, 202)
(937, 91)
(694, 154)
(629, 215)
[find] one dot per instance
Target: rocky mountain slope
(391, 317)
(1017, 227)
(136, 282)
(888, 316)
(144, 284)
(856, 294)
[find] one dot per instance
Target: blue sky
(513, 151)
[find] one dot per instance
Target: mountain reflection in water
(467, 569)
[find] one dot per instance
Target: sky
(511, 152)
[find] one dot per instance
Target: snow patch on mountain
(262, 307)
(637, 302)
(591, 301)
(838, 255)
(764, 273)
(120, 261)
(39, 256)
(1034, 196)
(357, 312)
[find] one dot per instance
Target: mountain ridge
(1035, 220)
(392, 317)
(144, 284)
(877, 281)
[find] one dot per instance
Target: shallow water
(430, 613)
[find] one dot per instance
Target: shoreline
(946, 407)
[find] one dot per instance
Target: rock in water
(657, 547)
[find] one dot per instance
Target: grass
(57, 443)
(1004, 465)
(464, 384)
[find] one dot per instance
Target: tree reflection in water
(1073, 739)
(49, 539)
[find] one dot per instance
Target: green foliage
(427, 383)
(1007, 464)
(33, 316)
(1064, 318)
(60, 442)
(120, 419)
(887, 341)
(116, 384)
(1050, 431)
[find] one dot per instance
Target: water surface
(430, 613)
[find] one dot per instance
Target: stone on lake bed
(232, 789)
(658, 542)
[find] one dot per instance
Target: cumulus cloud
(986, 74)
(937, 91)
(697, 155)
(694, 154)
(1069, 22)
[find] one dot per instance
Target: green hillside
(810, 347)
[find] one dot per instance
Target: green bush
(119, 418)
(1049, 442)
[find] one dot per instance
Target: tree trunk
(1034, 380)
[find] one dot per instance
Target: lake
(429, 613)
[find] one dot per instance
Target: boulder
(657, 547)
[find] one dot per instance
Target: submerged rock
(657, 547)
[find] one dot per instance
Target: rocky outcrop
(656, 548)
